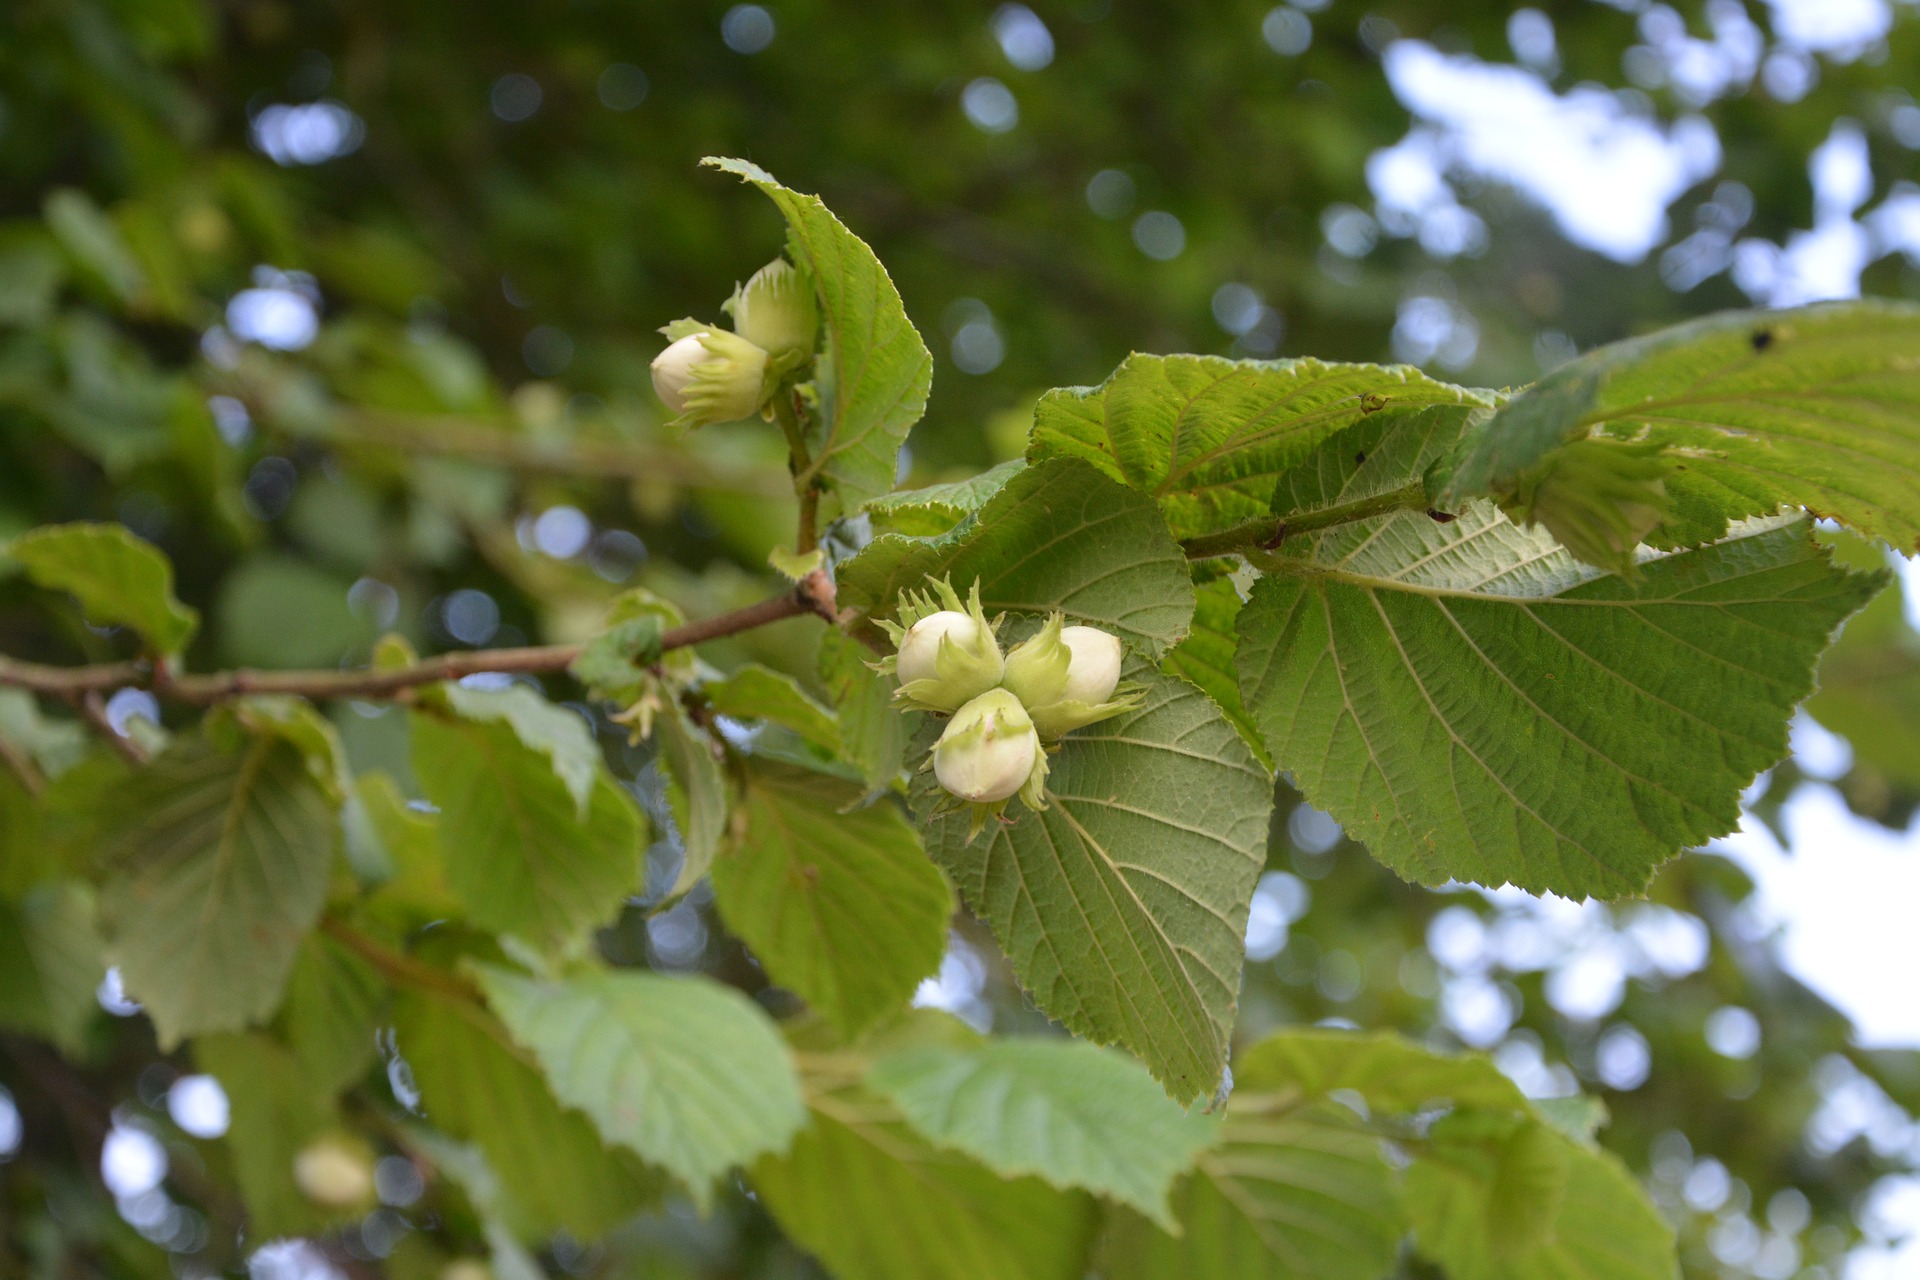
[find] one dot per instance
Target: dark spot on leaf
(1441, 517)
(1762, 339)
(1359, 458)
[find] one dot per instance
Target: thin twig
(396, 965)
(813, 595)
(20, 763)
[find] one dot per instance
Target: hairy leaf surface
(1474, 704)
(1817, 407)
(1208, 437)
(838, 902)
(1123, 906)
(1058, 535)
(686, 1072)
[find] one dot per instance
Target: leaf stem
(786, 411)
(1269, 531)
(398, 966)
(814, 594)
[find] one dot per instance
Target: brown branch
(813, 595)
(93, 709)
(398, 966)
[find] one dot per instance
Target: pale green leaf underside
(1474, 704)
(1066, 1111)
(1123, 906)
(518, 852)
(874, 374)
(552, 1168)
(218, 866)
(1392, 1073)
(839, 903)
(689, 1074)
(1599, 1226)
(1303, 1196)
(874, 1201)
(1208, 437)
(1059, 535)
(116, 577)
(697, 793)
(1817, 407)
(873, 732)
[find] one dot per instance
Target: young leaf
(755, 692)
(698, 792)
(874, 373)
(549, 1161)
(217, 863)
(1474, 704)
(1066, 1111)
(1207, 437)
(50, 963)
(929, 512)
(1059, 535)
(116, 577)
(555, 732)
(875, 1201)
(519, 853)
(686, 1072)
(1817, 407)
(1123, 905)
(838, 902)
(1392, 1073)
(1303, 1195)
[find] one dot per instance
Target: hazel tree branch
(813, 595)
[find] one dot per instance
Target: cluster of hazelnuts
(1007, 709)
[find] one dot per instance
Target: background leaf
(1058, 536)
(838, 902)
(273, 1111)
(874, 373)
(332, 1013)
(1068, 1112)
(557, 733)
(217, 866)
(755, 692)
(875, 1201)
(1123, 907)
(116, 577)
(686, 1072)
(50, 965)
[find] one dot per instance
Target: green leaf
(26, 856)
(1869, 690)
(838, 902)
(517, 850)
(116, 577)
(1302, 1195)
(555, 732)
(937, 508)
(1059, 535)
(1474, 704)
(475, 1086)
(93, 242)
(755, 692)
(1515, 1201)
(873, 733)
(1205, 658)
(332, 1013)
(54, 745)
(698, 793)
(1817, 407)
(1208, 437)
(875, 1201)
(690, 1074)
(874, 373)
(217, 863)
(1391, 1073)
(1066, 1111)
(50, 963)
(615, 661)
(274, 1111)
(1123, 906)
